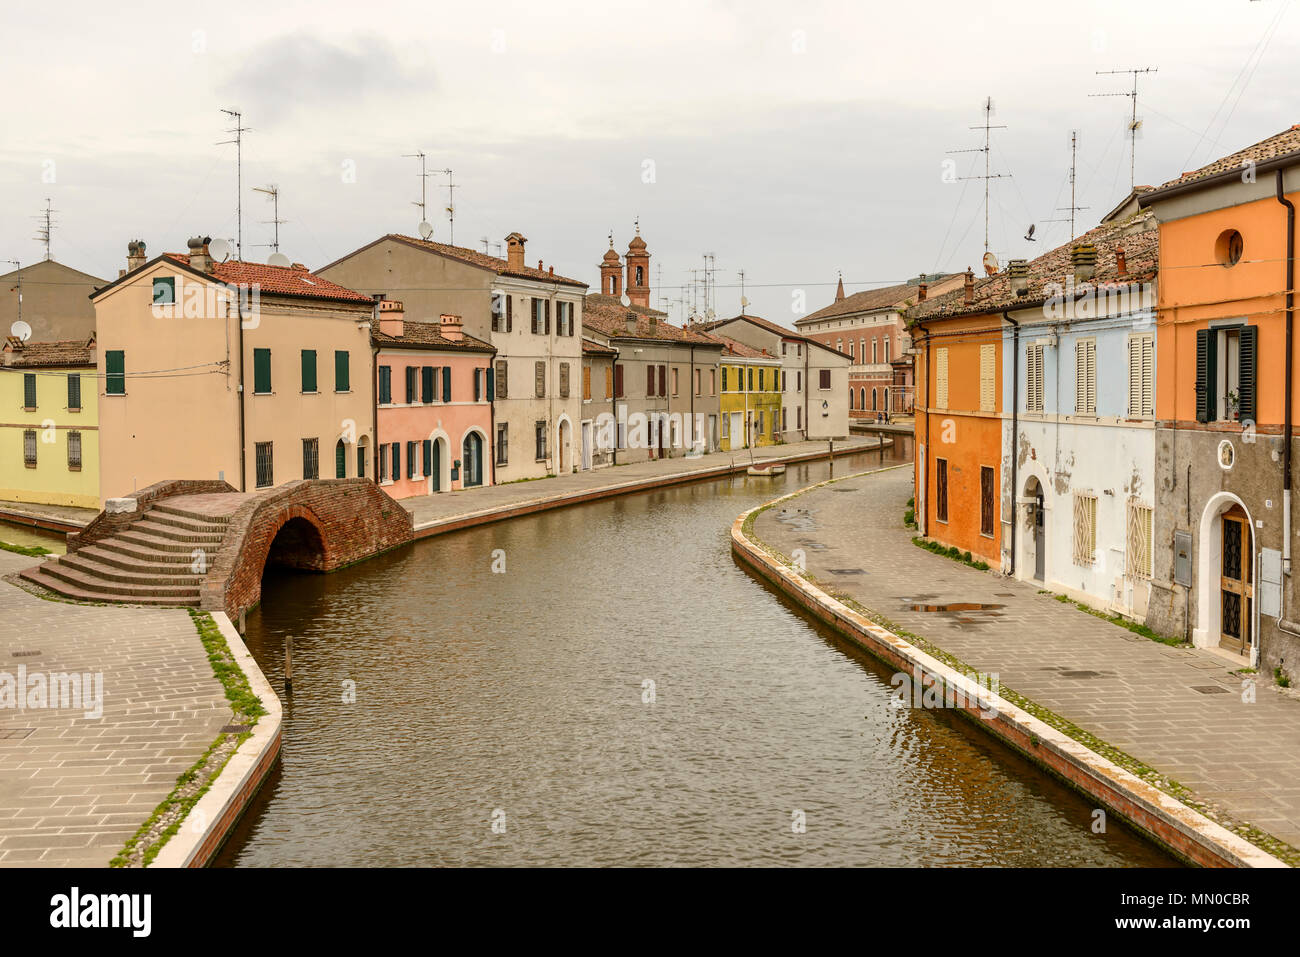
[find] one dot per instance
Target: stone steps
(130, 575)
(67, 589)
(129, 556)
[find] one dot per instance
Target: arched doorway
(340, 459)
(564, 447)
(363, 452)
(472, 460)
(1225, 615)
(1036, 532)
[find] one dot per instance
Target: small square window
(164, 290)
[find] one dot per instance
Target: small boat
(766, 469)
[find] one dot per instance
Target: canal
(620, 692)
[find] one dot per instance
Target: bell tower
(638, 270)
(611, 272)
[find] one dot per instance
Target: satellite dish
(625, 300)
(990, 263)
(279, 259)
(20, 330)
(710, 315)
(426, 230)
(743, 302)
(220, 249)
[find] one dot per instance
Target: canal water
(620, 693)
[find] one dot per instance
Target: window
(663, 380)
(750, 381)
(839, 345)
(397, 460)
(541, 317)
(502, 382)
(941, 490)
(887, 341)
(564, 318)
(1034, 379)
(74, 451)
(426, 457)
(760, 379)
(539, 437)
(988, 377)
(609, 381)
(987, 494)
(385, 385)
(675, 370)
(1229, 247)
(361, 460)
(308, 370)
(713, 381)
(586, 382)
(783, 382)
(873, 349)
(941, 377)
(852, 353)
(726, 427)
(410, 460)
(164, 290)
(261, 371)
(783, 426)
(503, 318)
(341, 461)
(618, 381)
(1085, 377)
(1226, 358)
(446, 383)
(824, 378)
(564, 380)
(1141, 376)
(342, 381)
(873, 399)
(724, 378)
(539, 378)
(412, 387)
(798, 417)
(426, 384)
(383, 463)
(1085, 527)
(851, 405)
(1137, 556)
(265, 465)
(29, 390)
(311, 458)
(759, 431)
(697, 381)
(29, 448)
(503, 442)
(74, 392)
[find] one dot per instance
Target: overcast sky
(793, 141)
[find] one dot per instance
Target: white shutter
(1034, 379)
(1135, 377)
(988, 369)
(1148, 377)
(1085, 377)
(941, 378)
(1091, 353)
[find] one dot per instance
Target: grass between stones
(1249, 832)
(142, 847)
(32, 551)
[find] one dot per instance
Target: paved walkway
(446, 507)
(1177, 710)
(73, 789)
(29, 513)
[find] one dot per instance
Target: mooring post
(242, 613)
(288, 664)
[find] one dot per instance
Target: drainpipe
(922, 523)
(374, 409)
(243, 455)
(613, 405)
(807, 388)
(492, 422)
(1015, 433)
(1286, 428)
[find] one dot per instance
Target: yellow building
(49, 423)
(750, 402)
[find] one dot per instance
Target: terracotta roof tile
(279, 280)
(1279, 144)
(61, 352)
(426, 335)
(608, 316)
(871, 299)
(592, 348)
(732, 347)
(500, 266)
(762, 323)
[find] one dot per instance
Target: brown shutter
(510, 317)
(547, 326)
(663, 380)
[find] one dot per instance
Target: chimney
(452, 328)
(552, 268)
(839, 291)
(134, 254)
(200, 258)
(921, 289)
(969, 287)
(515, 251)
(1018, 276)
(653, 321)
(391, 316)
(631, 322)
(1121, 264)
(1084, 260)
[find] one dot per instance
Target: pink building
(434, 391)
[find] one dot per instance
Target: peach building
(434, 390)
(255, 374)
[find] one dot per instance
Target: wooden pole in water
(288, 664)
(242, 613)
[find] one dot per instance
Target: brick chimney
(452, 328)
(515, 250)
(1121, 264)
(200, 258)
(631, 322)
(1084, 260)
(134, 254)
(921, 289)
(969, 286)
(391, 318)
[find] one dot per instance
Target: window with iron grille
(539, 434)
(503, 443)
(74, 451)
(310, 459)
(941, 490)
(29, 390)
(1140, 540)
(1085, 528)
(987, 493)
(265, 465)
(29, 448)
(74, 392)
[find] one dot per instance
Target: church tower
(638, 271)
(611, 272)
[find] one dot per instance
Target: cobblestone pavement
(1180, 711)
(441, 507)
(73, 789)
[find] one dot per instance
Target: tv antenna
(985, 149)
(709, 270)
(426, 229)
(743, 301)
(46, 227)
(1134, 122)
(19, 289)
(239, 130)
(273, 192)
(1074, 140)
(451, 206)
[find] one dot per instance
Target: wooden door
(1236, 583)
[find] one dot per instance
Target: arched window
(340, 460)
(640, 276)
(862, 401)
(873, 400)
(850, 398)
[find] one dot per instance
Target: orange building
(959, 421)
(1223, 535)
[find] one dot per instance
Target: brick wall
(103, 525)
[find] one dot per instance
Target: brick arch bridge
(202, 543)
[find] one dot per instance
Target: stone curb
(213, 817)
(1181, 829)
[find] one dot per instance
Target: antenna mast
(18, 266)
(275, 220)
(451, 206)
(741, 274)
(239, 130)
(1074, 135)
(424, 178)
(986, 127)
(1134, 122)
(44, 230)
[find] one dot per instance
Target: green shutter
(446, 383)
(1246, 375)
(491, 385)
(261, 371)
(397, 461)
(428, 457)
(1206, 404)
(308, 370)
(340, 460)
(341, 383)
(74, 390)
(385, 385)
(115, 367)
(29, 390)
(426, 384)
